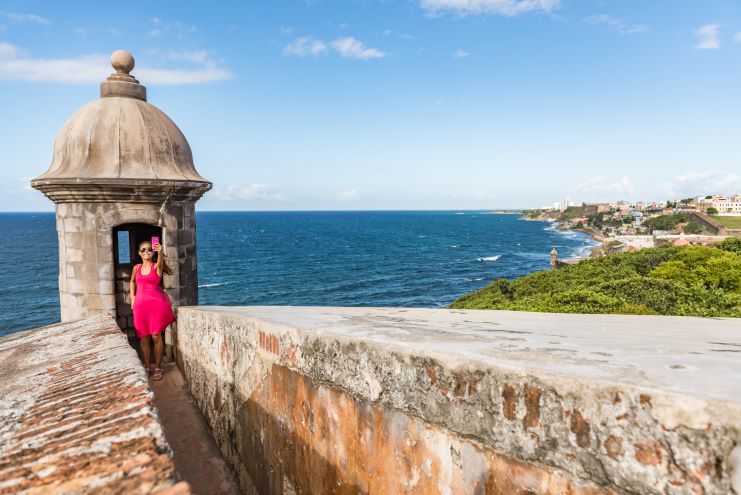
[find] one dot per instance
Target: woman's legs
(144, 344)
(158, 348)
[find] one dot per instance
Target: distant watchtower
(122, 172)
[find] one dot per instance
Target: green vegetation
(693, 228)
(533, 214)
(664, 222)
(669, 280)
(732, 244)
(711, 211)
(729, 222)
(570, 213)
(596, 220)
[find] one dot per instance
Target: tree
(664, 222)
(712, 211)
(595, 220)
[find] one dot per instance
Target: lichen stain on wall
(294, 436)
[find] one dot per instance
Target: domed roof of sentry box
(121, 139)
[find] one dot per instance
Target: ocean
(348, 258)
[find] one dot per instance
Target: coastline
(594, 234)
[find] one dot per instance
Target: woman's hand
(132, 302)
(157, 247)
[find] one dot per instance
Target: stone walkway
(197, 459)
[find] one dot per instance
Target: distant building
(594, 208)
(728, 205)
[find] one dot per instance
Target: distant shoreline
(595, 235)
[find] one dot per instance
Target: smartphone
(155, 241)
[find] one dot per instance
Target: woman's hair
(165, 269)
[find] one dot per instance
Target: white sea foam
(490, 258)
(213, 285)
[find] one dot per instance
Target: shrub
(732, 244)
(668, 280)
(664, 222)
(693, 228)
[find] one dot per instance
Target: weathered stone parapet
(76, 415)
(359, 400)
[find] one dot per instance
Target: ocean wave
(490, 258)
(213, 285)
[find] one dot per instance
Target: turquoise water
(414, 259)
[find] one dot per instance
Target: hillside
(729, 222)
(667, 280)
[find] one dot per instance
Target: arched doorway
(126, 239)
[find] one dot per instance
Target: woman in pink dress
(150, 304)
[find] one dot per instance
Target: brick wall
(76, 415)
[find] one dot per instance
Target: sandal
(157, 374)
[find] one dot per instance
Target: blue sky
(408, 104)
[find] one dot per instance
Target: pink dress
(152, 310)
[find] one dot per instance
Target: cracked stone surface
(550, 403)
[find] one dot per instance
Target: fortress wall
(76, 415)
(373, 400)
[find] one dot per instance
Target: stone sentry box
(120, 164)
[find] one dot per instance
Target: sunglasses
(145, 250)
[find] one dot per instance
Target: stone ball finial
(122, 61)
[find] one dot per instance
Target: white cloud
(23, 18)
(700, 183)
(496, 7)
(22, 185)
(197, 56)
(286, 30)
(606, 186)
(350, 195)
(461, 54)
(349, 47)
(251, 192)
(206, 74)
(15, 65)
(163, 28)
(708, 37)
(737, 37)
(304, 46)
(474, 196)
(616, 24)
